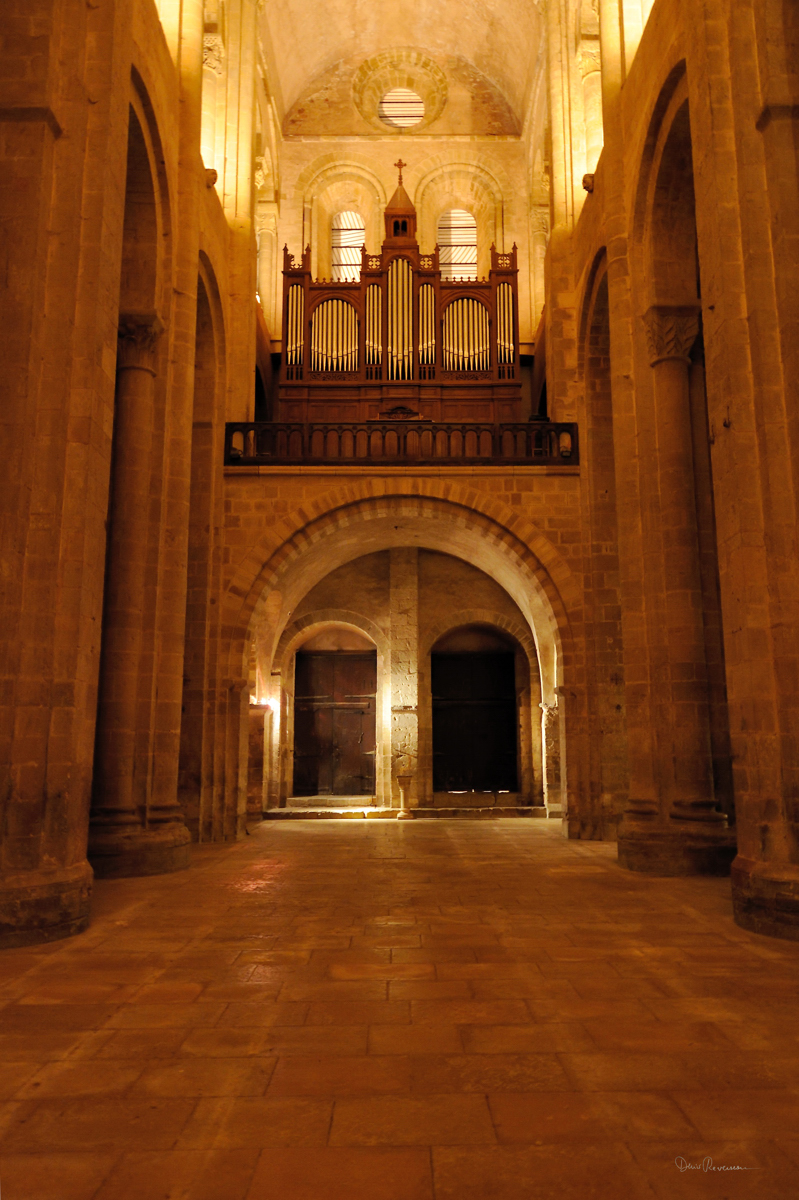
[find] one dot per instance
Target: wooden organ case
(401, 343)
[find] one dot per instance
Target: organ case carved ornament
(400, 334)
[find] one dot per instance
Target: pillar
(680, 830)
(404, 650)
(550, 754)
(592, 103)
(122, 839)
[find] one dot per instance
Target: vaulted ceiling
(494, 42)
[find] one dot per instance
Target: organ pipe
(400, 320)
(466, 336)
(334, 337)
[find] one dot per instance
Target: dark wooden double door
(334, 723)
(475, 735)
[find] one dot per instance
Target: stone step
(331, 802)
(305, 813)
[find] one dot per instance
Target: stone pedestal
(44, 905)
(765, 897)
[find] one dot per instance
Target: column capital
(136, 341)
(671, 330)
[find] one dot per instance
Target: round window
(401, 108)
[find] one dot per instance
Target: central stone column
(682, 832)
(404, 647)
(121, 841)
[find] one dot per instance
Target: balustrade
(400, 443)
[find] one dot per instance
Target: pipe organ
(401, 341)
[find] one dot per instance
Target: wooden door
(474, 722)
(334, 723)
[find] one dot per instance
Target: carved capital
(136, 341)
(213, 53)
(590, 60)
(671, 331)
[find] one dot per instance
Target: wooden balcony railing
(401, 443)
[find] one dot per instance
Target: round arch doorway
(335, 702)
(475, 711)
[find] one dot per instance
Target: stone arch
(462, 185)
(147, 234)
(282, 680)
(298, 631)
(369, 515)
(671, 101)
(532, 765)
(329, 185)
(512, 539)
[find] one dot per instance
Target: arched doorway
(335, 701)
(475, 712)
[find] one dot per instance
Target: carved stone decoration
(136, 342)
(539, 220)
(671, 331)
(213, 53)
(590, 61)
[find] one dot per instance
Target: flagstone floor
(436, 1010)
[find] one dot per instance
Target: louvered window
(347, 239)
(457, 240)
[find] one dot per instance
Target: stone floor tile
(29, 1018)
(412, 1121)
(538, 1038)
(169, 993)
(628, 1072)
(93, 1123)
(386, 1012)
(263, 1014)
(435, 1073)
(387, 970)
(582, 1117)
(415, 1039)
(182, 1175)
(328, 1075)
(469, 1012)
(426, 955)
(328, 990)
(53, 1176)
(548, 1172)
(141, 1044)
(430, 989)
(741, 1115)
(36, 1047)
(337, 1173)
(158, 1016)
(86, 1077)
(193, 1076)
(661, 1037)
(243, 1122)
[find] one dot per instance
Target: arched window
(457, 240)
(347, 238)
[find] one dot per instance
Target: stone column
(681, 832)
(592, 103)
(404, 644)
(119, 841)
(550, 753)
